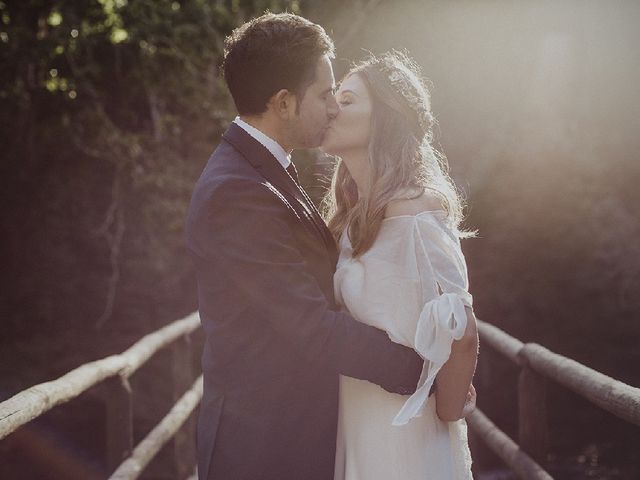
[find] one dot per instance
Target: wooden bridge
(525, 457)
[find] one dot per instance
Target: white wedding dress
(413, 284)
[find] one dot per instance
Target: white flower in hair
(403, 74)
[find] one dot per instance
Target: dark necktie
(316, 217)
(291, 169)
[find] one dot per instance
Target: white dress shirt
(269, 143)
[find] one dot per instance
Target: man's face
(317, 108)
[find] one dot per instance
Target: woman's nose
(332, 108)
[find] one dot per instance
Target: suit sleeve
(245, 231)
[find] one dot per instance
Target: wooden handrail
(536, 364)
(38, 399)
(160, 435)
(608, 393)
(500, 341)
(506, 448)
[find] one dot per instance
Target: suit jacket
(275, 341)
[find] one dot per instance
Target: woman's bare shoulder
(428, 201)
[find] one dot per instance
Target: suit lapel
(262, 160)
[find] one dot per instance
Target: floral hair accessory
(405, 78)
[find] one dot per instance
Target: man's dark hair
(271, 53)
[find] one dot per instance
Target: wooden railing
(113, 374)
(126, 462)
(537, 364)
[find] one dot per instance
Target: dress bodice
(413, 284)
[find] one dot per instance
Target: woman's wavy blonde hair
(403, 163)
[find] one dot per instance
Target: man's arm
(246, 233)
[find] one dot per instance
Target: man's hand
(470, 402)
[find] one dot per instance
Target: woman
(396, 215)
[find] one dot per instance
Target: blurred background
(109, 110)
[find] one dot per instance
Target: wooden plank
(38, 399)
(154, 441)
(533, 434)
(608, 393)
(500, 341)
(521, 463)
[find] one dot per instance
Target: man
(275, 340)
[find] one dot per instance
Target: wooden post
(119, 418)
(532, 413)
(184, 452)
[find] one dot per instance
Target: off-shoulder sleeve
(443, 275)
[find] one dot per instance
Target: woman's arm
(455, 376)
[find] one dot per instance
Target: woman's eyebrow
(349, 91)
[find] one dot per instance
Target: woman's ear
(284, 104)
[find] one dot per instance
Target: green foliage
(110, 109)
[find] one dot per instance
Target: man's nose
(332, 108)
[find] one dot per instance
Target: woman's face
(350, 129)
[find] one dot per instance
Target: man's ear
(284, 104)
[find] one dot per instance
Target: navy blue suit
(275, 340)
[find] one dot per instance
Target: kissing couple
(337, 346)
